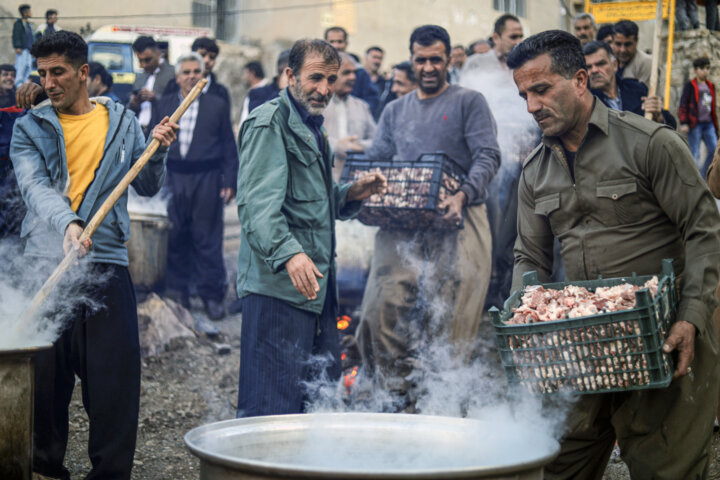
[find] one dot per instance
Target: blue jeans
(23, 67)
(706, 131)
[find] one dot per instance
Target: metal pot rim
(269, 468)
(25, 351)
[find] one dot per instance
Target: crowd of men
(579, 175)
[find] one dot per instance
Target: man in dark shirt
(260, 95)
(23, 36)
(202, 170)
(100, 82)
(627, 94)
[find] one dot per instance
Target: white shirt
(146, 107)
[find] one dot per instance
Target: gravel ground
(190, 385)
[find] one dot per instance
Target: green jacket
(637, 198)
(287, 203)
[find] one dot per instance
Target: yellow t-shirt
(85, 137)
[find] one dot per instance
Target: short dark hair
(595, 45)
(66, 43)
(97, 69)
(206, 44)
(604, 31)
(336, 29)
(255, 68)
(407, 68)
(565, 52)
(305, 46)
(282, 61)
(23, 8)
(429, 34)
(143, 43)
(6, 67)
(458, 46)
(49, 13)
(627, 28)
(697, 63)
(499, 27)
(374, 48)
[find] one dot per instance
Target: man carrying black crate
(287, 204)
(429, 286)
(621, 193)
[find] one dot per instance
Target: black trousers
(282, 349)
(195, 241)
(102, 348)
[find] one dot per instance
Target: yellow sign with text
(611, 12)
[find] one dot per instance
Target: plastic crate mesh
(415, 190)
(608, 352)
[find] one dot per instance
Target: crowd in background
(383, 112)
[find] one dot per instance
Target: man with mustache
(625, 94)
(585, 28)
(620, 193)
(288, 204)
(396, 318)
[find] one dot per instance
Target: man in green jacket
(620, 193)
(288, 204)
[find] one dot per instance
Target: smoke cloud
(24, 277)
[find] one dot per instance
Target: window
(202, 13)
(516, 7)
(115, 57)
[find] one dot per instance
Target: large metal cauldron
(147, 249)
(368, 446)
(17, 388)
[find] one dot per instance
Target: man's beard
(304, 99)
(431, 89)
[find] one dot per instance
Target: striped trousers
(283, 350)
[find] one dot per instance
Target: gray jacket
(37, 151)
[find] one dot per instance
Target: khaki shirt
(637, 198)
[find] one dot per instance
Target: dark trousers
(195, 240)
(102, 348)
(282, 347)
(711, 15)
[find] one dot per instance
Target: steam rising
(25, 276)
(155, 205)
(444, 383)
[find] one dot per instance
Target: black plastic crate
(608, 352)
(415, 189)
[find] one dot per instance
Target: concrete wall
(688, 46)
(387, 24)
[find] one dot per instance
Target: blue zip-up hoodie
(37, 151)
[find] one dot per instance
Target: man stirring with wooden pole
(68, 154)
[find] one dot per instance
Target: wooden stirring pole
(102, 212)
